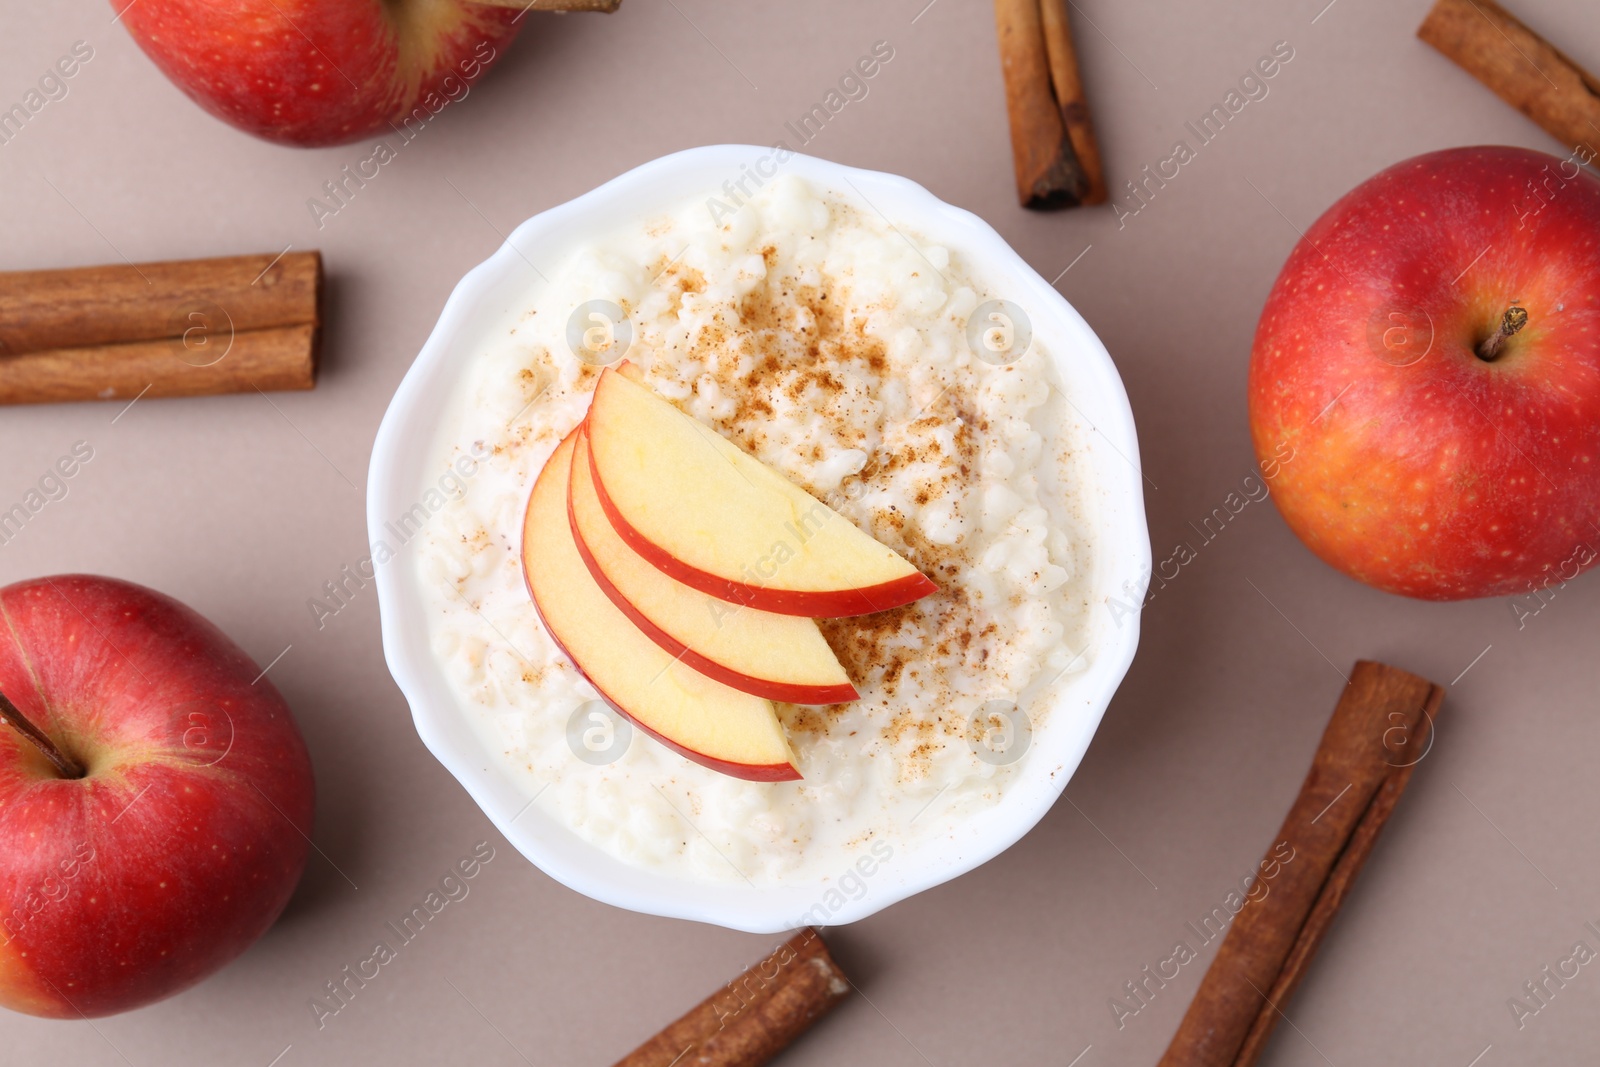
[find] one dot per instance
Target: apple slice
(702, 719)
(780, 657)
(700, 509)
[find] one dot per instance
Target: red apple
(322, 72)
(158, 825)
(1425, 382)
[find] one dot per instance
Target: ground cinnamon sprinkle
(795, 341)
(837, 351)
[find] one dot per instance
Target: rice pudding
(836, 348)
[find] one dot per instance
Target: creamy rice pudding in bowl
(757, 389)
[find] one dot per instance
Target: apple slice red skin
(188, 835)
(750, 772)
(813, 604)
(786, 692)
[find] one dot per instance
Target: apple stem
(1513, 320)
(69, 767)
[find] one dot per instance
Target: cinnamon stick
(269, 360)
(1327, 906)
(1360, 770)
(1053, 149)
(184, 328)
(1522, 68)
(88, 306)
(755, 1016)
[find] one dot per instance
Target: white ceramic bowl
(399, 472)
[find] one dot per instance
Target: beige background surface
(243, 508)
